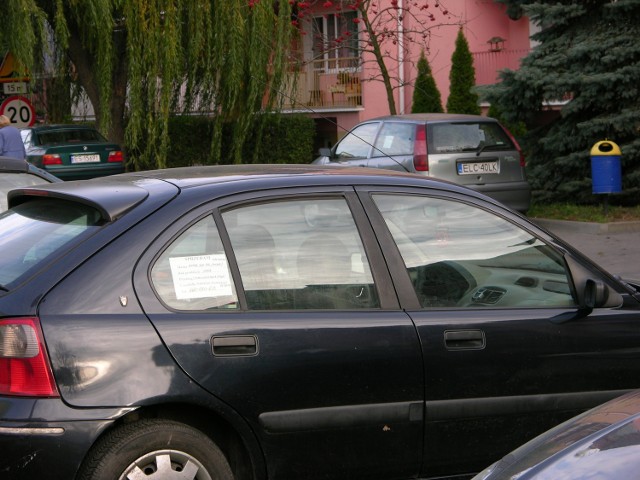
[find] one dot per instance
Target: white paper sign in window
(200, 276)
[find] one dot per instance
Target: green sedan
(72, 152)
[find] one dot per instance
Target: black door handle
(464, 339)
(234, 345)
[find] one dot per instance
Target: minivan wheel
(155, 450)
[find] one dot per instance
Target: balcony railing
(325, 84)
(488, 64)
(336, 83)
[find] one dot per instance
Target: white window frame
(330, 53)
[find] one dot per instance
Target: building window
(335, 42)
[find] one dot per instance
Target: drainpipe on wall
(401, 57)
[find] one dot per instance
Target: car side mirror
(590, 293)
(324, 158)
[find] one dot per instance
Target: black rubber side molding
(341, 417)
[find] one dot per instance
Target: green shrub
(282, 139)
(273, 138)
(190, 141)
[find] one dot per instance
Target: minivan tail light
(420, 154)
(523, 161)
(51, 159)
(116, 156)
(24, 364)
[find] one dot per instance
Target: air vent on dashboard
(488, 295)
(527, 282)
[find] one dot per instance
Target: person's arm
(2, 142)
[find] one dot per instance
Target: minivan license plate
(85, 158)
(478, 168)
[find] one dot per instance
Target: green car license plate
(85, 158)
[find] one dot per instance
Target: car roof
(288, 174)
(16, 165)
(435, 117)
(133, 188)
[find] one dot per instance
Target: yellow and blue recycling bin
(606, 172)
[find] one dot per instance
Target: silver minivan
(469, 150)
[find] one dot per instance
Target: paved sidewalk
(614, 246)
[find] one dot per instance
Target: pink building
(338, 81)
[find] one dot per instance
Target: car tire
(152, 449)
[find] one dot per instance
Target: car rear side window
(193, 272)
(302, 254)
(464, 257)
(37, 230)
(395, 139)
(467, 137)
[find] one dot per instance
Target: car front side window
(461, 256)
(302, 254)
(357, 143)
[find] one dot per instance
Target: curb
(587, 227)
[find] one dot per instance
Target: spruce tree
(587, 64)
(462, 80)
(426, 96)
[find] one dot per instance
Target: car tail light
(116, 156)
(24, 364)
(420, 156)
(51, 159)
(523, 162)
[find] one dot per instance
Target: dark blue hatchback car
(279, 322)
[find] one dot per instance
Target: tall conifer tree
(426, 96)
(462, 80)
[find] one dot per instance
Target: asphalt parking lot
(613, 246)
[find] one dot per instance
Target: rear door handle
(234, 345)
(464, 339)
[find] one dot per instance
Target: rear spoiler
(111, 201)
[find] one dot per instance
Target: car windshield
(57, 137)
(33, 232)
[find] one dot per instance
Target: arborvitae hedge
(426, 96)
(462, 79)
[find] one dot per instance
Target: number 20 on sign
(19, 111)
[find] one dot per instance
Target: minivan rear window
(36, 231)
(467, 137)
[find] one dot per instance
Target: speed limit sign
(19, 110)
